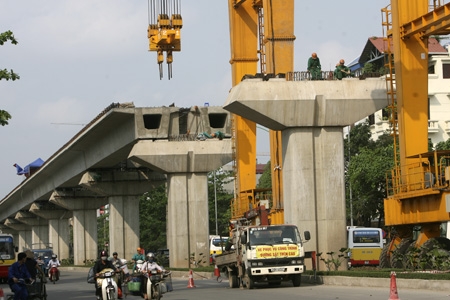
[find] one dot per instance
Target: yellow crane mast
(418, 188)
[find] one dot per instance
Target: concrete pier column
(313, 169)
(58, 236)
(311, 116)
(187, 164)
(188, 214)
(124, 225)
(84, 236)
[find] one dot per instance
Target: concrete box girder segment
(311, 116)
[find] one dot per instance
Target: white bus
(365, 245)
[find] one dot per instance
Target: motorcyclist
(101, 264)
(148, 266)
(117, 262)
(41, 264)
(136, 257)
(54, 262)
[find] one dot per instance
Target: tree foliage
(367, 163)
(265, 181)
(5, 74)
(223, 201)
(153, 218)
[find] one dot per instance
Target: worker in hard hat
(314, 67)
(341, 71)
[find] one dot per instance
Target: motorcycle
(156, 284)
(139, 264)
(53, 274)
(107, 281)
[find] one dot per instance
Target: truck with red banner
(263, 253)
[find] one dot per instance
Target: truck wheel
(398, 255)
(249, 282)
(297, 280)
(233, 280)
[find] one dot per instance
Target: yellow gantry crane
(261, 33)
(418, 187)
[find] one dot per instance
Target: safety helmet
(53, 256)
(150, 256)
(104, 255)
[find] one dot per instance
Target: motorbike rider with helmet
(54, 262)
(148, 266)
(102, 263)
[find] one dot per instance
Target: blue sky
(76, 57)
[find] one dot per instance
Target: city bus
(365, 246)
(7, 254)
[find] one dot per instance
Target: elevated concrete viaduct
(93, 169)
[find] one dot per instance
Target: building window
(431, 69)
(446, 70)
(371, 119)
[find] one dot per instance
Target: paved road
(73, 286)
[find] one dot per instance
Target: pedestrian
(314, 67)
(341, 71)
(17, 275)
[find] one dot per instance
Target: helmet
(150, 256)
(104, 255)
(54, 256)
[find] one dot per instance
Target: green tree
(445, 145)
(153, 219)
(223, 201)
(5, 74)
(265, 181)
(366, 164)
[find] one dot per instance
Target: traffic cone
(394, 294)
(191, 280)
(216, 271)
(2, 296)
